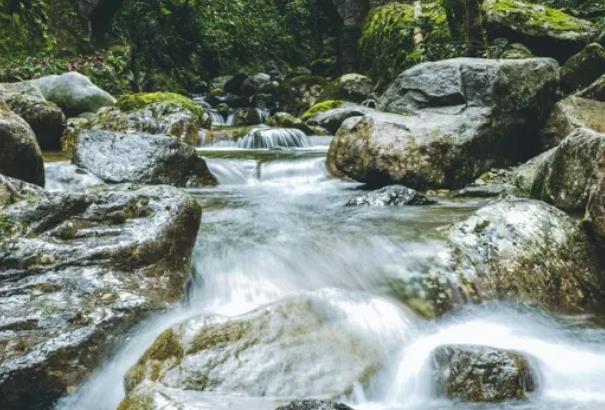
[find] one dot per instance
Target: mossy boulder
(351, 87)
(495, 254)
(570, 114)
(547, 31)
(291, 348)
(482, 374)
(583, 69)
(84, 266)
(321, 107)
(332, 119)
(154, 113)
(571, 172)
(20, 155)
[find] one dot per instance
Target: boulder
(298, 94)
(526, 251)
(568, 115)
(595, 212)
(546, 31)
(331, 120)
(73, 92)
(249, 116)
(394, 195)
(44, 117)
(285, 120)
(140, 158)
(314, 405)
(571, 172)
(524, 175)
(459, 118)
(258, 83)
(595, 91)
(517, 51)
(78, 269)
(583, 69)
(63, 176)
(20, 155)
(481, 374)
(302, 346)
(154, 113)
(352, 87)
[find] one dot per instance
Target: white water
(277, 226)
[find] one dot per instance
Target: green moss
(133, 102)
(321, 107)
(534, 16)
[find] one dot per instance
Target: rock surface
(595, 212)
(571, 172)
(292, 348)
(314, 405)
(595, 91)
(394, 195)
(285, 120)
(73, 92)
(20, 155)
(77, 270)
(141, 158)
(545, 30)
(570, 114)
(461, 117)
(583, 68)
(352, 87)
(482, 374)
(527, 251)
(332, 119)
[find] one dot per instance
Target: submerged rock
(394, 195)
(482, 374)
(44, 117)
(568, 175)
(527, 251)
(545, 30)
(77, 270)
(461, 118)
(20, 155)
(73, 92)
(570, 114)
(302, 346)
(314, 405)
(141, 158)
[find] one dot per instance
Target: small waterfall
(217, 118)
(270, 138)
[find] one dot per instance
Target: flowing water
(276, 226)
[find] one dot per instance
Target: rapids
(276, 226)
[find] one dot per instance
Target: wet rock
(527, 251)
(482, 374)
(224, 136)
(570, 114)
(595, 212)
(77, 270)
(332, 119)
(460, 118)
(63, 176)
(73, 92)
(525, 174)
(570, 173)
(487, 190)
(44, 117)
(545, 30)
(140, 158)
(583, 68)
(595, 91)
(285, 120)
(292, 348)
(249, 116)
(154, 113)
(20, 155)
(314, 405)
(352, 87)
(394, 195)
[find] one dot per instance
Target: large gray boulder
(77, 270)
(73, 92)
(141, 158)
(20, 155)
(302, 346)
(458, 118)
(570, 114)
(482, 374)
(568, 175)
(526, 251)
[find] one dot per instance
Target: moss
(321, 107)
(133, 102)
(220, 334)
(534, 16)
(137, 402)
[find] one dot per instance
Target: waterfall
(270, 138)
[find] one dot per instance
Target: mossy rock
(133, 102)
(321, 107)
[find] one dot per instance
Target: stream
(277, 226)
